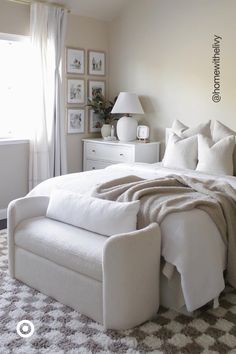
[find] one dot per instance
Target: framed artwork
(75, 120)
(95, 122)
(95, 87)
(75, 61)
(96, 63)
(75, 91)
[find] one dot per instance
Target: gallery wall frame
(75, 61)
(75, 120)
(75, 91)
(95, 87)
(96, 63)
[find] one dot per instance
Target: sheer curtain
(47, 144)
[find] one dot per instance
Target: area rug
(59, 329)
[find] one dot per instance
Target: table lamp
(127, 103)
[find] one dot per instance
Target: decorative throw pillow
(181, 153)
(215, 158)
(221, 131)
(178, 127)
(104, 217)
(185, 132)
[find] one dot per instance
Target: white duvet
(190, 240)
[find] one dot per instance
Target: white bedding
(190, 240)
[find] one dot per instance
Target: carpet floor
(59, 329)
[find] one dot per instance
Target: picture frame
(96, 63)
(75, 120)
(95, 87)
(95, 123)
(75, 61)
(75, 91)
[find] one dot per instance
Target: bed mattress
(191, 242)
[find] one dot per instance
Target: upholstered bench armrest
(19, 210)
(25, 208)
(131, 270)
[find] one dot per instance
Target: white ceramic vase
(106, 130)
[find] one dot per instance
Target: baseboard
(3, 214)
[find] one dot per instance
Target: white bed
(192, 248)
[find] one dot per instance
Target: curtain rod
(28, 2)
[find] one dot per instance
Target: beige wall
(81, 32)
(13, 172)
(162, 50)
(88, 34)
(14, 18)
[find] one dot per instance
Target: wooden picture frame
(95, 123)
(75, 61)
(76, 91)
(75, 120)
(96, 63)
(96, 86)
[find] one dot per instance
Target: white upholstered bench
(114, 280)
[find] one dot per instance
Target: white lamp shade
(127, 102)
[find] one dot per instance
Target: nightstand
(99, 153)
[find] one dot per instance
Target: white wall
(162, 50)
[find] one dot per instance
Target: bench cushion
(66, 245)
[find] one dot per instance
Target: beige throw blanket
(159, 197)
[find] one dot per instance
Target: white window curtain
(47, 145)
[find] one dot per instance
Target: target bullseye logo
(25, 328)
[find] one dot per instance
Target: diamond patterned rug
(59, 329)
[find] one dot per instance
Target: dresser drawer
(95, 165)
(109, 152)
(99, 153)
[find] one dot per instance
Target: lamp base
(126, 129)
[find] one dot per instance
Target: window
(15, 86)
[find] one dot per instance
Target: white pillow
(178, 127)
(104, 217)
(215, 158)
(220, 131)
(185, 132)
(181, 153)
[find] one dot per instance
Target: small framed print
(96, 87)
(95, 122)
(96, 63)
(75, 91)
(75, 61)
(75, 120)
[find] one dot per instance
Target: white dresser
(99, 153)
